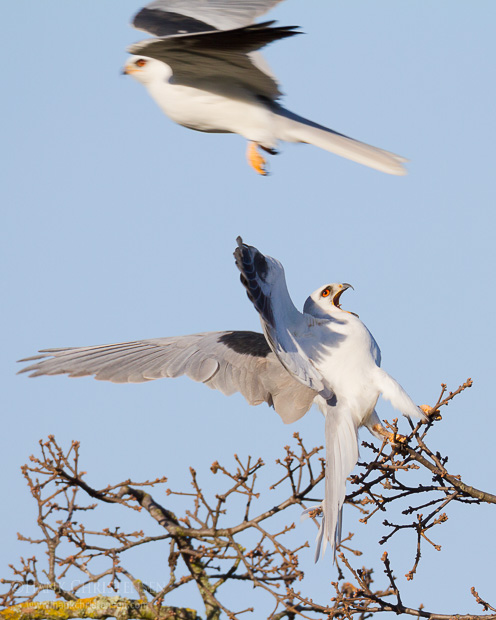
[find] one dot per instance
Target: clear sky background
(119, 225)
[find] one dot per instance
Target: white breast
(215, 113)
(345, 353)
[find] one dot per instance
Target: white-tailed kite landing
(205, 72)
(328, 350)
(324, 355)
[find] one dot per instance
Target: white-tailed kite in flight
(323, 355)
(204, 71)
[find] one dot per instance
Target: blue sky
(120, 225)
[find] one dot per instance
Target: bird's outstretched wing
(165, 17)
(265, 284)
(219, 61)
(230, 361)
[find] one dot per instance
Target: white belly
(205, 111)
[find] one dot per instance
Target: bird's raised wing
(231, 361)
(165, 17)
(263, 278)
(218, 61)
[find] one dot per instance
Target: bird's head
(325, 300)
(146, 70)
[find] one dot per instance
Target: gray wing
(218, 60)
(265, 284)
(233, 361)
(166, 17)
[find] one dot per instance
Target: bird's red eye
(140, 63)
(325, 293)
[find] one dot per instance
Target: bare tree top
(214, 544)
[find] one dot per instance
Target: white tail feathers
(293, 128)
(341, 458)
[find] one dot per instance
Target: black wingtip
(254, 268)
(281, 31)
(238, 256)
(249, 260)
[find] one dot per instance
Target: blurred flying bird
(323, 355)
(205, 72)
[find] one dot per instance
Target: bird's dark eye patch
(141, 62)
(326, 292)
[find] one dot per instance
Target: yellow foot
(391, 437)
(430, 412)
(255, 159)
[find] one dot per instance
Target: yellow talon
(255, 159)
(391, 437)
(430, 412)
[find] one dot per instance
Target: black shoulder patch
(166, 23)
(246, 343)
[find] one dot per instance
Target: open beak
(343, 287)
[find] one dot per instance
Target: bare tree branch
(210, 556)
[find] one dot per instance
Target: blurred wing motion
(231, 362)
(163, 18)
(204, 71)
(219, 62)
